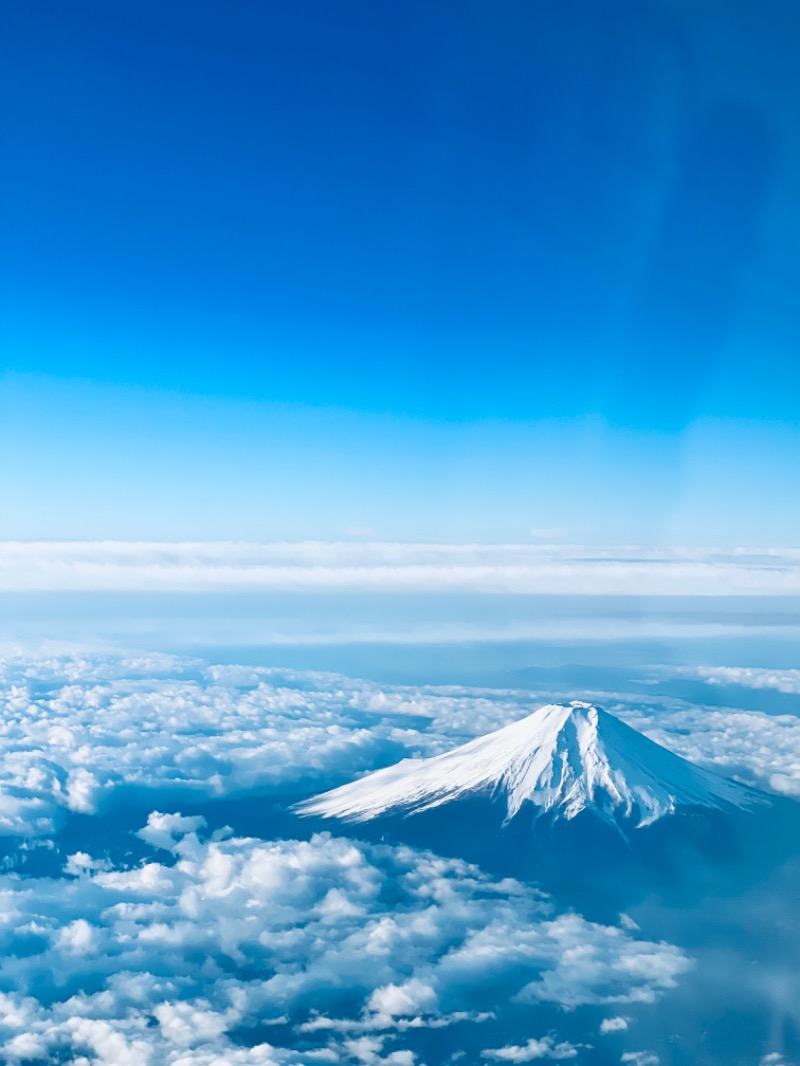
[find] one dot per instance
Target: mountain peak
(563, 758)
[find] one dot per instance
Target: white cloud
(178, 956)
(412, 998)
(385, 567)
(77, 938)
(75, 728)
(640, 1058)
(785, 785)
(350, 950)
(761, 749)
(81, 790)
(746, 676)
(617, 1024)
(605, 967)
(534, 1050)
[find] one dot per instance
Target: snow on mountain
(561, 758)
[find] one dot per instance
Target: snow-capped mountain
(562, 758)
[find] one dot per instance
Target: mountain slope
(564, 759)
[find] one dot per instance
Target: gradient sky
(408, 270)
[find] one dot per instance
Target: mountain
(563, 759)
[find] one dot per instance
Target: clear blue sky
(452, 270)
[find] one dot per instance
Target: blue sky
(431, 270)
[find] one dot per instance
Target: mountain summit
(564, 759)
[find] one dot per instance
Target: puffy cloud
(412, 998)
(74, 728)
(369, 1051)
(81, 789)
(77, 938)
(109, 1047)
(785, 785)
(164, 830)
(546, 1048)
(616, 1024)
(747, 677)
(169, 961)
(640, 1058)
(760, 749)
(604, 967)
(218, 949)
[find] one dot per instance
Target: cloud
(746, 676)
(760, 749)
(169, 961)
(533, 1050)
(389, 567)
(412, 998)
(616, 1024)
(75, 729)
(77, 938)
(220, 949)
(784, 785)
(605, 967)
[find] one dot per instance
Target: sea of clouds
(74, 728)
(340, 946)
(135, 934)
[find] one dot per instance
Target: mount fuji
(562, 760)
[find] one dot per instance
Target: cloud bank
(184, 946)
(385, 567)
(748, 677)
(335, 947)
(77, 729)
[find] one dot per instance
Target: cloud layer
(187, 947)
(76, 729)
(342, 950)
(387, 567)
